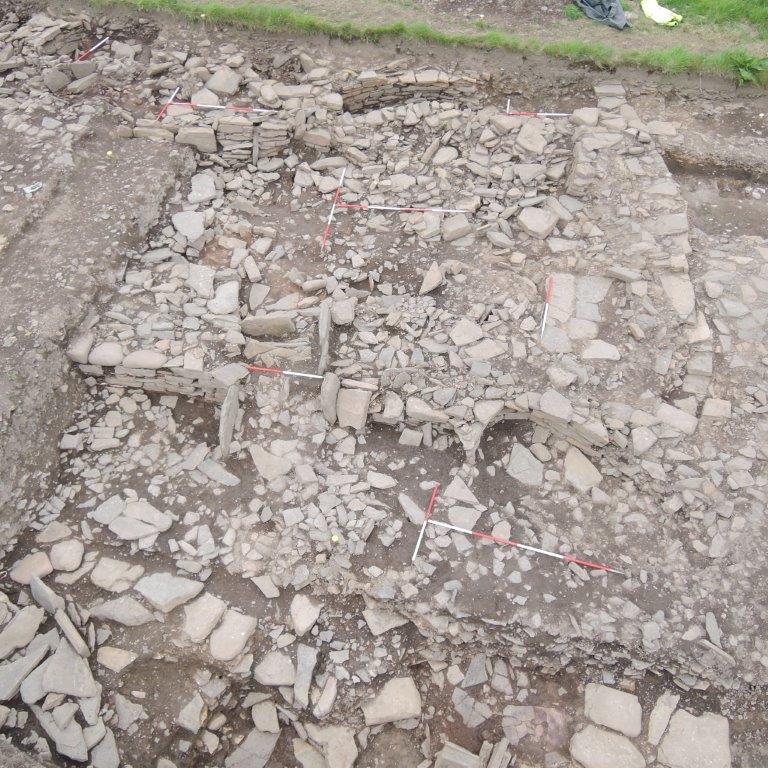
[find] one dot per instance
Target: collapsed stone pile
(248, 543)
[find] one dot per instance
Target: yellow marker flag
(659, 14)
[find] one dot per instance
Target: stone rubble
(249, 537)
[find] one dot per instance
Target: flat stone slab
(165, 591)
(275, 669)
(230, 637)
(124, 610)
(202, 616)
(20, 630)
(524, 467)
(696, 742)
(613, 708)
(597, 748)
(399, 699)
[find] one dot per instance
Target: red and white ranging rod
(327, 230)
(535, 114)
(337, 205)
(527, 548)
(96, 47)
(427, 515)
(547, 300)
(403, 208)
(498, 540)
(167, 104)
(227, 107)
(283, 372)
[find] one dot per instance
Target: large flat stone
(613, 708)
(399, 699)
(597, 748)
(696, 742)
(352, 408)
(537, 222)
(229, 639)
(165, 591)
(524, 467)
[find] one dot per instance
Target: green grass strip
(737, 63)
(723, 12)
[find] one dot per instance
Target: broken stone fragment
(276, 325)
(115, 659)
(193, 714)
(190, 224)
(115, 575)
(329, 393)
(597, 349)
(380, 620)
(254, 751)
(201, 137)
(67, 555)
(107, 353)
(455, 227)
(537, 222)
(20, 630)
(580, 472)
(418, 410)
(433, 278)
(267, 464)
(275, 669)
(68, 673)
(145, 358)
(45, 597)
(352, 407)
(202, 616)
(399, 699)
(466, 332)
(13, 674)
(660, 715)
(230, 638)
(124, 610)
(337, 743)
(37, 564)
(524, 467)
(304, 614)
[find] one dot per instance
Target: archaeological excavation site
(376, 404)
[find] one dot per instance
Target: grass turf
(733, 62)
(720, 12)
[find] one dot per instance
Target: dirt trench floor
(498, 647)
